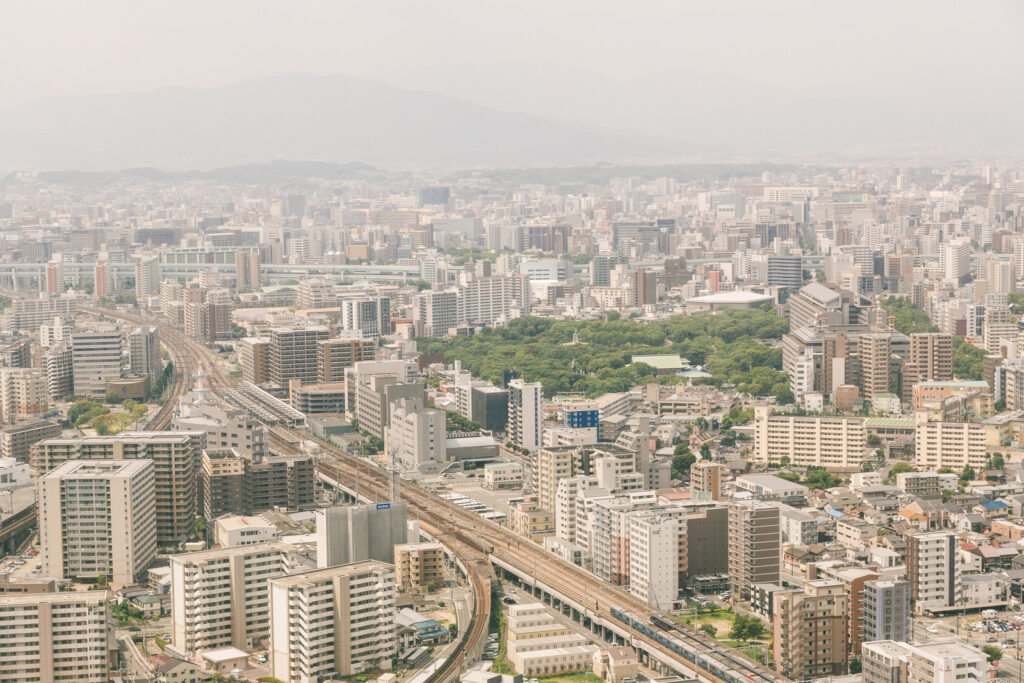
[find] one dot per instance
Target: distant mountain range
(327, 118)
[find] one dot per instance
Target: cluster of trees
(816, 478)
(84, 411)
(968, 360)
(125, 613)
(908, 318)
(746, 628)
(538, 348)
(160, 384)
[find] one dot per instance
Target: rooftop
(735, 297)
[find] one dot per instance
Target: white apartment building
(835, 443)
(489, 299)
(415, 436)
(53, 637)
(96, 358)
(940, 661)
(220, 597)
(332, 622)
(950, 444)
(144, 351)
(657, 555)
(525, 403)
(933, 570)
(435, 312)
(59, 367)
(98, 517)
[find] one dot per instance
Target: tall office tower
(885, 605)
(292, 354)
(784, 271)
(334, 355)
(434, 313)
(220, 597)
(359, 533)
(643, 287)
(58, 363)
(488, 299)
(706, 478)
(315, 293)
(955, 260)
(96, 357)
(931, 358)
(55, 637)
(23, 393)
(809, 630)
(98, 518)
(525, 403)
(754, 545)
(144, 351)
(601, 271)
(875, 354)
(933, 570)
(370, 318)
(102, 280)
(175, 455)
(814, 302)
(147, 280)
(334, 622)
(254, 357)
(247, 270)
(415, 437)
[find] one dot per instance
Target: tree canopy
(727, 344)
(907, 317)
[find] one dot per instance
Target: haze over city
(494, 342)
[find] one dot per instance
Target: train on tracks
(721, 665)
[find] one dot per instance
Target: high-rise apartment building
(220, 597)
(16, 440)
(247, 270)
(334, 355)
(488, 299)
(415, 437)
(706, 478)
(59, 366)
(525, 403)
(292, 354)
(175, 456)
(419, 565)
(830, 442)
(24, 394)
(657, 555)
(955, 260)
(315, 293)
(330, 623)
(809, 630)
(933, 570)
(949, 444)
(368, 318)
(254, 357)
(875, 354)
(97, 518)
(885, 606)
(96, 357)
(931, 358)
(144, 351)
(435, 312)
(55, 637)
(147, 280)
(755, 545)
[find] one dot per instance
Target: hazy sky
(120, 45)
